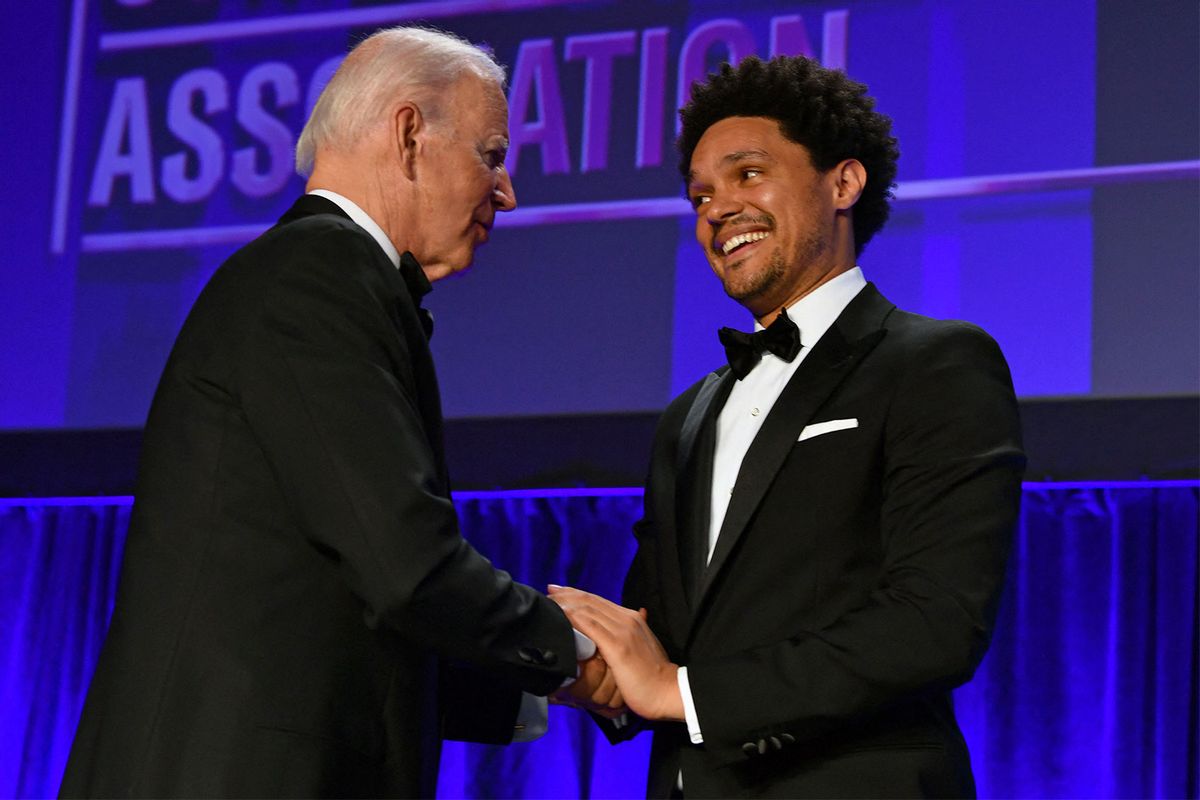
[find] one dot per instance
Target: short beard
(759, 284)
(776, 272)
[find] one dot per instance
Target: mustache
(764, 219)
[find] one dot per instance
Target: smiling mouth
(742, 240)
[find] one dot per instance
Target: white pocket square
(818, 428)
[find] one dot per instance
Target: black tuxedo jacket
(294, 583)
(855, 578)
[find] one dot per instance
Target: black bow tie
(744, 350)
(418, 286)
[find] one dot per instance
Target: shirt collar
(816, 311)
(363, 220)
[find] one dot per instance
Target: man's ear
(850, 177)
(408, 128)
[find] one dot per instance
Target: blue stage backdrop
(1047, 188)
(1090, 688)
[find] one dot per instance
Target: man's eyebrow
(745, 155)
(736, 157)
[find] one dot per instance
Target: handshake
(630, 670)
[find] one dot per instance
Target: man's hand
(594, 690)
(644, 674)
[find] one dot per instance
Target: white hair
(391, 65)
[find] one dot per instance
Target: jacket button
(750, 749)
(532, 655)
(778, 745)
(762, 745)
(787, 738)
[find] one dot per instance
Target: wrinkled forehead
(471, 107)
(475, 101)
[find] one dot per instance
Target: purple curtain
(1091, 687)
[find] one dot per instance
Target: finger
(607, 689)
(616, 637)
(578, 595)
(588, 678)
(592, 626)
(606, 609)
(554, 588)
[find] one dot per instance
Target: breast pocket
(827, 427)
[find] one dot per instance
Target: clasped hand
(630, 670)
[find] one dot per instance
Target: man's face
(463, 179)
(764, 214)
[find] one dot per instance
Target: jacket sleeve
(951, 472)
(328, 388)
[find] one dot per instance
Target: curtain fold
(1090, 688)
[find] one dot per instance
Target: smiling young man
(827, 518)
(295, 596)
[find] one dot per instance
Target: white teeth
(741, 239)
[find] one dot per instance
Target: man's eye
(495, 158)
(699, 200)
(750, 172)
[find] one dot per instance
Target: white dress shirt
(750, 400)
(363, 220)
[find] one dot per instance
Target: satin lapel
(716, 385)
(688, 502)
(842, 347)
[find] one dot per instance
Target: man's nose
(721, 207)
(504, 196)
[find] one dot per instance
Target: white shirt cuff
(585, 648)
(689, 708)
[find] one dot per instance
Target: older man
(827, 518)
(294, 586)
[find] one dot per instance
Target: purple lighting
(598, 50)
(585, 491)
(295, 23)
(653, 92)
(660, 207)
(535, 79)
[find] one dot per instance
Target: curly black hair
(820, 108)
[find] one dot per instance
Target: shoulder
(312, 238)
(948, 374)
(917, 336)
(325, 255)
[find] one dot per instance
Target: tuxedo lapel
(844, 345)
(685, 545)
(708, 402)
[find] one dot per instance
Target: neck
(804, 290)
(365, 189)
(837, 258)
